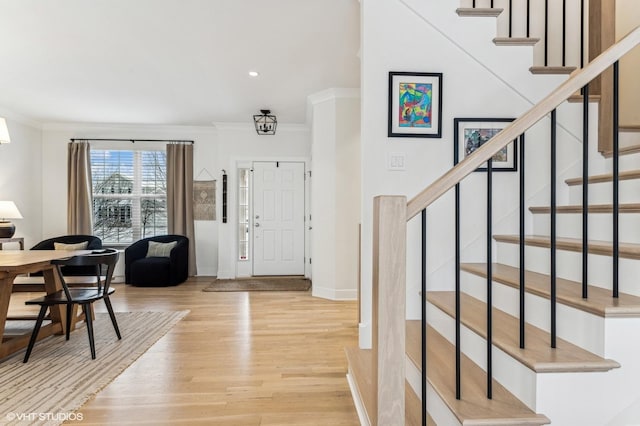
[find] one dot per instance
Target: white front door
(278, 218)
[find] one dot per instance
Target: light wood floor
(253, 358)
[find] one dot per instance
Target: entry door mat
(261, 284)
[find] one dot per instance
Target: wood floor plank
(537, 355)
(473, 408)
(238, 358)
(600, 302)
(604, 248)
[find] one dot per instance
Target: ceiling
(173, 62)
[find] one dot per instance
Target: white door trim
(245, 268)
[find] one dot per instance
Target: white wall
(240, 144)
(336, 192)
(21, 176)
(55, 138)
(480, 80)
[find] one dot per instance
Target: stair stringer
(474, 36)
(585, 398)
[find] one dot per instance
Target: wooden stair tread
(607, 177)
(627, 150)
(479, 11)
(577, 98)
(594, 208)
(360, 362)
(515, 41)
(412, 407)
(600, 301)
(551, 70)
(538, 355)
(629, 128)
(473, 408)
(604, 248)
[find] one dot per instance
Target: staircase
(574, 359)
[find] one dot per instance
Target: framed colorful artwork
(415, 104)
(470, 133)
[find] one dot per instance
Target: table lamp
(8, 210)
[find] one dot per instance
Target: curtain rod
(132, 140)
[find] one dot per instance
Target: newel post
(388, 308)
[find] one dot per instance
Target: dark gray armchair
(93, 243)
(158, 268)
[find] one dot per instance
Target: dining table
(18, 262)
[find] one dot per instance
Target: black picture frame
(471, 133)
(412, 97)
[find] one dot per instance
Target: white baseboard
(334, 294)
(357, 401)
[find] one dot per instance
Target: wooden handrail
(577, 80)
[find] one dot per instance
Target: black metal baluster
(522, 251)
(553, 228)
(491, 4)
(528, 17)
(424, 317)
(564, 33)
(582, 18)
(457, 278)
(546, 33)
(489, 281)
(473, 4)
(510, 18)
(456, 159)
(585, 190)
(616, 179)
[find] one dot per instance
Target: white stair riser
(601, 193)
(566, 398)
(436, 407)
(578, 327)
(515, 377)
(569, 266)
(600, 226)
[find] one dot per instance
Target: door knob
(257, 225)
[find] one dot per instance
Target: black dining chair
(83, 296)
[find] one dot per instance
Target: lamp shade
(4, 132)
(8, 210)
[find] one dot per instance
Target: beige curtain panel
(79, 198)
(180, 196)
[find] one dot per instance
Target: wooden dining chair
(83, 296)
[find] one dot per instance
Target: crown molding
(95, 127)
(19, 118)
(335, 93)
(221, 125)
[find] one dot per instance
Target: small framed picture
(470, 133)
(415, 105)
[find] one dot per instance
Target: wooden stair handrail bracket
(388, 309)
(577, 80)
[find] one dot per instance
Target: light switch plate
(396, 161)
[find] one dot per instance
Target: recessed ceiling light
(253, 73)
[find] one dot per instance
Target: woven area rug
(60, 376)
(261, 284)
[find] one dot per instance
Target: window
(243, 214)
(129, 194)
